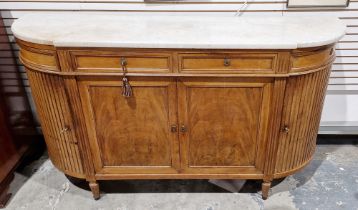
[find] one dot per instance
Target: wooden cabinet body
(9, 156)
(194, 114)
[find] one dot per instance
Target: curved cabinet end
(56, 122)
(304, 97)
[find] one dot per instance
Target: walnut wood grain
(192, 115)
(141, 124)
(223, 118)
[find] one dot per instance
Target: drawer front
(303, 60)
(228, 63)
(100, 61)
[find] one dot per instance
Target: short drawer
(311, 58)
(228, 63)
(103, 61)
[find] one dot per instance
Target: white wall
(340, 113)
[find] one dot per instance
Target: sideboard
(169, 97)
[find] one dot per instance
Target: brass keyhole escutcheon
(227, 62)
(65, 129)
(173, 128)
(183, 129)
(286, 129)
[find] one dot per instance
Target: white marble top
(174, 31)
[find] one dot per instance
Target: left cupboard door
(131, 135)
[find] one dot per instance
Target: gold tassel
(126, 88)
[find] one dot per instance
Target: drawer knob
(227, 62)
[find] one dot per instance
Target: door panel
(225, 122)
(132, 134)
(214, 142)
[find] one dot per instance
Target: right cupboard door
(223, 124)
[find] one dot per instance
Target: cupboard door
(131, 135)
(223, 123)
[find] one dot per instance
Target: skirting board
(337, 127)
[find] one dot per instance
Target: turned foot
(265, 189)
(95, 189)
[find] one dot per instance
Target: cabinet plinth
(193, 114)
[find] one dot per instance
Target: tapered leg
(95, 189)
(265, 189)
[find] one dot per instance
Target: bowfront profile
(138, 103)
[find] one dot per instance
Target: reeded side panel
(51, 103)
(303, 103)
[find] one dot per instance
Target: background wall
(340, 113)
